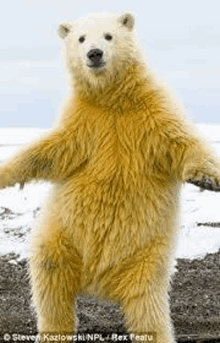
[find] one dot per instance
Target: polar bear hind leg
(141, 284)
(55, 274)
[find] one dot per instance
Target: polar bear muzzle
(95, 60)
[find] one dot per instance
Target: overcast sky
(181, 40)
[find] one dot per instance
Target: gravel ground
(195, 302)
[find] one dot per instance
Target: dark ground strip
(195, 302)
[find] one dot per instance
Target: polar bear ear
(127, 20)
(64, 29)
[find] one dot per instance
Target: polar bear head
(99, 47)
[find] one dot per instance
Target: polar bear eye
(108, 36)
(82, 39)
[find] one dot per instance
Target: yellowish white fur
(117, 157)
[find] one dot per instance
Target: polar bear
(116, 159)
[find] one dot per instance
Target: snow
(18, 208)
(12, 138)
(198, 207)
(16, 136)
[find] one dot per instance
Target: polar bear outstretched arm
(183, 153)
(53, 158)
(193, 161)
(202, 171)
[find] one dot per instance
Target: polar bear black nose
(95, 55)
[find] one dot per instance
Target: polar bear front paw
(206, 183)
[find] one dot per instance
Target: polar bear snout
(95, 55)
(95, 58)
